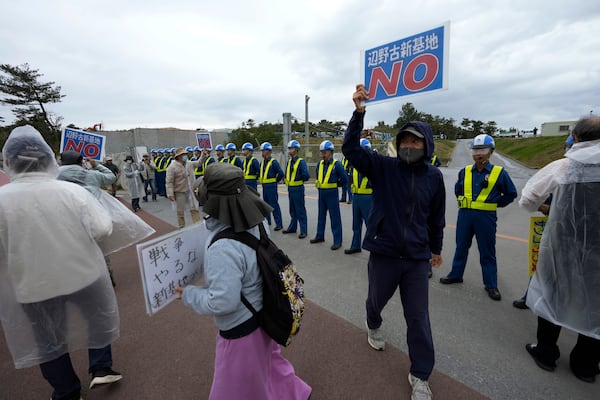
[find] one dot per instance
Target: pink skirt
(252, 368)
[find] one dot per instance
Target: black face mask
(410, 155)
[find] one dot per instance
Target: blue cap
(231, 146)
(220, 147)
(294, 144)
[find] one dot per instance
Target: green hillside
(533, 152)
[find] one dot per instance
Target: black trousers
(584, 357)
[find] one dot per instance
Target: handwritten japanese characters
(172, 260)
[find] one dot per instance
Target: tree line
(28, 98)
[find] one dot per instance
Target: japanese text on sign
(536, 229)
(90, 145)
(407, 66)
(172, 260)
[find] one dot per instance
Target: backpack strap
(249, 240)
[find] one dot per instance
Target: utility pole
(287, 129)
(306, 131)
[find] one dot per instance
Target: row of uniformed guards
(296, 173)
(270, 174)
(161, 172)
(329, 175)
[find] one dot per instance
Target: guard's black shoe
(302, 236)
(535, 354)
(286, 231)
(317, 240)
(336, 246)
(521, 304)
(494, 293)
(448, 281)
(352, 251)
(278, 228)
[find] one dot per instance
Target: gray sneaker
(375, 338)
(420, 388)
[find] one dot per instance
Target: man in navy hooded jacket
(404, 233)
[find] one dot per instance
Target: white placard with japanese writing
(171, 260)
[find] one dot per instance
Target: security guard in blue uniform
(220, 149)
(481, 188)
(161, 172)
(435, 161)
(329, 175)
(232, 158)
(251, 166)
(197, 153)
(296, 173)
(208, 159)
(347, 189)
(270, 174)
(362, 197)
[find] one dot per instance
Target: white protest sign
(171, 260)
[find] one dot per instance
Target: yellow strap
(293, 173)
(232, 160)
(466, 201)
(324, 183)
(433, 160)
(247, 164)
(360, 187)
(264, 172)
(164, 163)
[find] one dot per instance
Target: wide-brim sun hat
(180, 151)
(223, 194)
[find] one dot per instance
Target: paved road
(478, 341)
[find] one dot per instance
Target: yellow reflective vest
(291, 173)
(322, 182)
(467, 201)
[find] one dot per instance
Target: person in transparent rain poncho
(564, 290)
(127, 227)
(55, 291)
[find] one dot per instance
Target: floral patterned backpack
(283, 290)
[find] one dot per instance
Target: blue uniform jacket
(338, 174)
(302, 174)
(275, 171)
(503, 193)
(254, 166)
(409, 201)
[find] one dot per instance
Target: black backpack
(283, 291)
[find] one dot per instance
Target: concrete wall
(118, 142)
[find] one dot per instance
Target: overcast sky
(213, 64)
